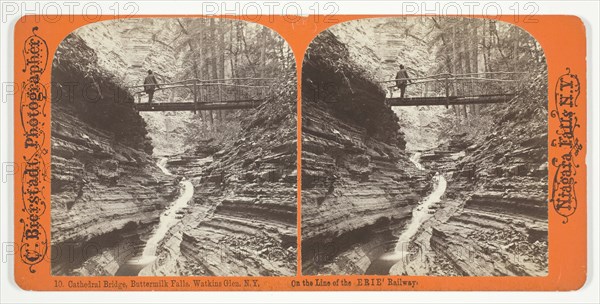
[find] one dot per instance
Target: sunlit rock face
(128, 48)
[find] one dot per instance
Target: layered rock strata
(242, 220)
(107, 191)
(494, 218)
(358, 185)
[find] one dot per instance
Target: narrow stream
(420, 214)
(168, 219)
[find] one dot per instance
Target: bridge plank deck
(452, 100)
(191, 106)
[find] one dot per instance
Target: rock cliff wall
(128, 48)
(495, 218)
(358, 185)
(242, 221)
(242, 218)
(106, 188)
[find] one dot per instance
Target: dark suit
(150, 85)
(401, 84)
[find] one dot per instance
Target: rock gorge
(108, 193)
(358, 184)
(106, 189)
(500, 228)
(361, 179)
(360, 187)
(243, 217)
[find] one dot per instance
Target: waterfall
(169, 218)
(420, 214)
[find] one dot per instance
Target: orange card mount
(262, 153)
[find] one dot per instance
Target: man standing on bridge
(402, 80)
(150, 85)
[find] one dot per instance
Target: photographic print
(425, 149)
(173, 150)
(300, 153)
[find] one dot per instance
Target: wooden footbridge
(199, 95)
(246, 93)
(455, 89)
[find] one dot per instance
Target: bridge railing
(211, 90)
(464, 85)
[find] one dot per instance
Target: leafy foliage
(226, 49)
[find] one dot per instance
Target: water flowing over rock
(243, 217)
(502, 226)
(241, 220)
(361, 194)
(106, 189)
(358, 184)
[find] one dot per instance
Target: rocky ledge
(493, 220)
(358, 185)
(242, 221)
(106, 189)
